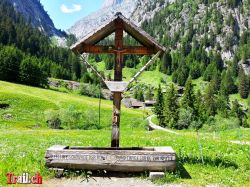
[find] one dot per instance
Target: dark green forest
(27, 54)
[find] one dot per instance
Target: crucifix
(117, 87)
(111, 156)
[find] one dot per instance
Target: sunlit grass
(23, 144)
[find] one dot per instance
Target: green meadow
(24, 138)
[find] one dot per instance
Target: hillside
(27, 107)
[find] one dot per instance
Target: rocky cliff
(34, 12)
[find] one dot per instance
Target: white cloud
(75, 8)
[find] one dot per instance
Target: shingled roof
(109, 27)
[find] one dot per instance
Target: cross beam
(136, 50)
(119, 51)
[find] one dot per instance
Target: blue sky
(65, 13)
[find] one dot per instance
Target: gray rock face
(108, 3)
(96, 19)
(136, 10)
(33, 11)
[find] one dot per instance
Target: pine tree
(10, 59)
(210, 71)
(188, 96)
(199, 106)
(227, 83)
(31, 73)
(237, 111)
(76, 67)
(243, 84)
(166, 63)
(216, 81)
(159, 106)
(171, 107)
(182, 73)
(222, 104)
(210, 100)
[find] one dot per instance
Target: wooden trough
(112, 159)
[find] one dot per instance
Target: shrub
(71, 118)
(218, 123)
(91, 120)
(185, 118)
(90, 90)
(53, 119)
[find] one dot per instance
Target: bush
(91, 120)
(53, 119)
(71, 118)
(185, 118)
(90, 90)
(218, 123)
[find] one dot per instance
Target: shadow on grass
(181, 170)
(215, 162)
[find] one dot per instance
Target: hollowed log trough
(112, 159)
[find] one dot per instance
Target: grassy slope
(28, 105)
(23, 148)
(152, 78)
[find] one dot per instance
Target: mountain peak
(109, 3)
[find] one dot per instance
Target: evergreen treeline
(197, 53)
(24, 47)
(194, 109)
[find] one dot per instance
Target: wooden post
(117, 96)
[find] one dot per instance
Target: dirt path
(156, 127)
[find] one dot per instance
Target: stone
(155, 175)
(7, 116)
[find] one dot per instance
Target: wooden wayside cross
(118, 25)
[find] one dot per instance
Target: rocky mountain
(215, 26)
(34, 12)
(108, 3)
(184, 25)
(137, 10)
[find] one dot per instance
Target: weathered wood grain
(123, 159)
